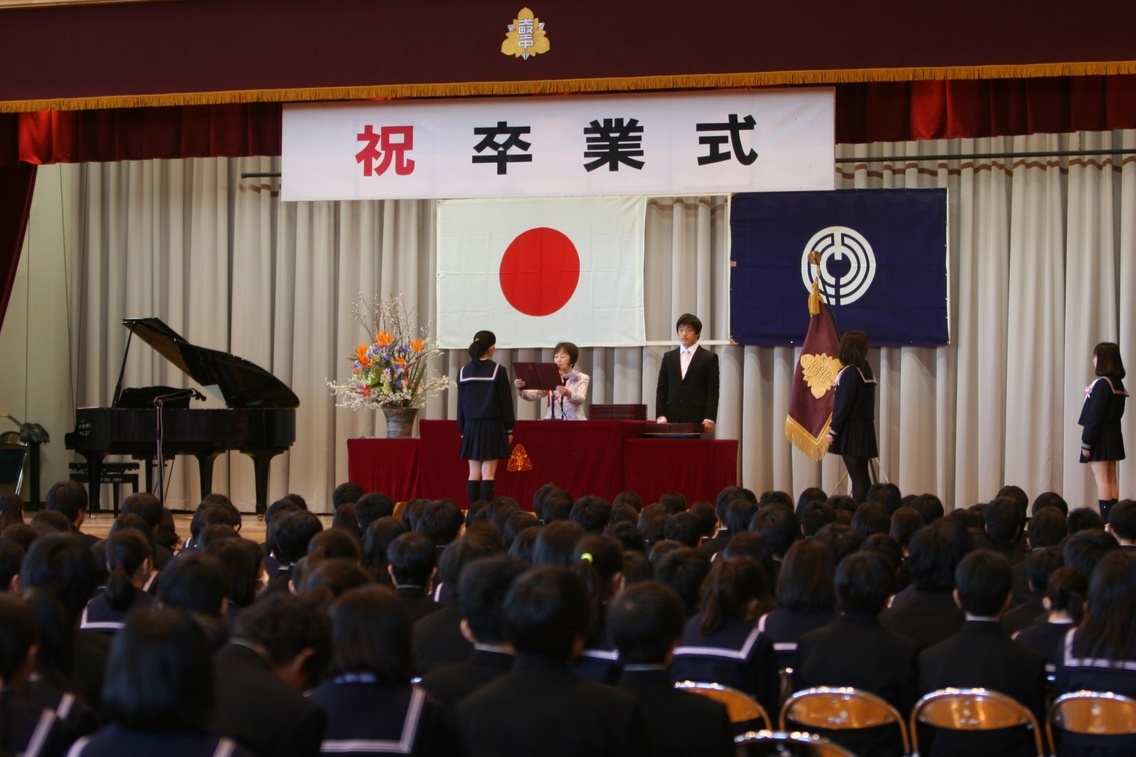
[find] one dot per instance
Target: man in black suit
(856, 651)
(983, 655)
(646, 622)
(688, 379)
(281, 646)
(540, 706)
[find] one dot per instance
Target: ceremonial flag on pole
(541, 271)
(813, 388)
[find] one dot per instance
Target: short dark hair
(863, 582)
(1108, 360)
(905, 521)
(691, 320)
(144, 504)
(556, 505)
(241, 560)
(370, 633)
(412, 558)
(348, 492)
(556, 542)
(63, 566)
(871, 518)
(854, 348)
(1040, 565)
(517, 522)
(457, 556)
(935, 551)
(707, 518)
(645, 621)
(627, 497)
(1049, 499)
(571, 350)
(441, 521)
(780, 528)
(839, 539)
(546, 611)
(628, 535)
(673, 502)
(1003, 519)
(291, 533)
(776, 498)
(683, 569)
(159, 675)
(336, 543)
(684, 528)
(481, 595)
(285, 625)
(815, 516)
(929, 506)
(1084, 549)
(68, 498)
(804, 583)
(371, 507)
(591, 512)
(983, 580)
(887, 494)
(1084, 519)
(194, 582)
(1122, 519)
(1047, 528)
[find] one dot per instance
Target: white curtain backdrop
(1042, 267)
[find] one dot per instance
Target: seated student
(346, 493)
(1040, 563)
(272, 514)
(214, 509)
(721, 644)
(1064, 604)
(683, 569)
(291, 533)
(981, 655)
(128, 556)
(280, 648)
(926, 611)
(370, 705)
(29, 724)
(437, 638)
(372, 506)
(1046, 528)
(196, 583)
(1003, 519)
(805, 596)
(1122, 524)
(855, 650)
(481, 597)
(243, 565)
(378, 537)
(540, 706)
(556, 543)
(150, 509)
(413, 561)
(442, 520)
(599, 564)
(63, 567)
(646, 623)
(781, 529)
(591, 513)
(69, 498)
(1100, 653)
(159, 692)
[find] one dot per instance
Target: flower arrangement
(391, 370)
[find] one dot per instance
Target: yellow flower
(361, 356)
(417, 344)
(383, 339)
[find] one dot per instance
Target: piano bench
(115, 474)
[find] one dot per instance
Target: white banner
(536, 272)
(653, 144)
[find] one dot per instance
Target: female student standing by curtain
(485, 415)
(852, 434)
(1101, 441)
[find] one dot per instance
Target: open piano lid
(235, 380)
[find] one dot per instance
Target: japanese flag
(540, 271)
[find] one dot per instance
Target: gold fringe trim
(578, 86)
(816, 447)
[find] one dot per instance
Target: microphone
(197, 395)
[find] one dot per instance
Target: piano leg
(262, 461)
(94, 477)
(205, 470)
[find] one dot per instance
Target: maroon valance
(870, 112)
(72, 57)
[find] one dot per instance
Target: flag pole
(814, 259)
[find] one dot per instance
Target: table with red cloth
(582, 457)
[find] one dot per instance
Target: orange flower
(365, 391)
(417, 345)
(383, 339)
(361, 356)
(400, 361)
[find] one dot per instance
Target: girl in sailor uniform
(1101, 441)
(485, 415)
(129, 557)
(852, 433)
(566, 402)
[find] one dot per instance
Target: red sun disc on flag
(539, 271)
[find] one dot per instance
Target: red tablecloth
(582, 457)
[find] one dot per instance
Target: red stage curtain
(16, 185)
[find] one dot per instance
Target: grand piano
(259, 419)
